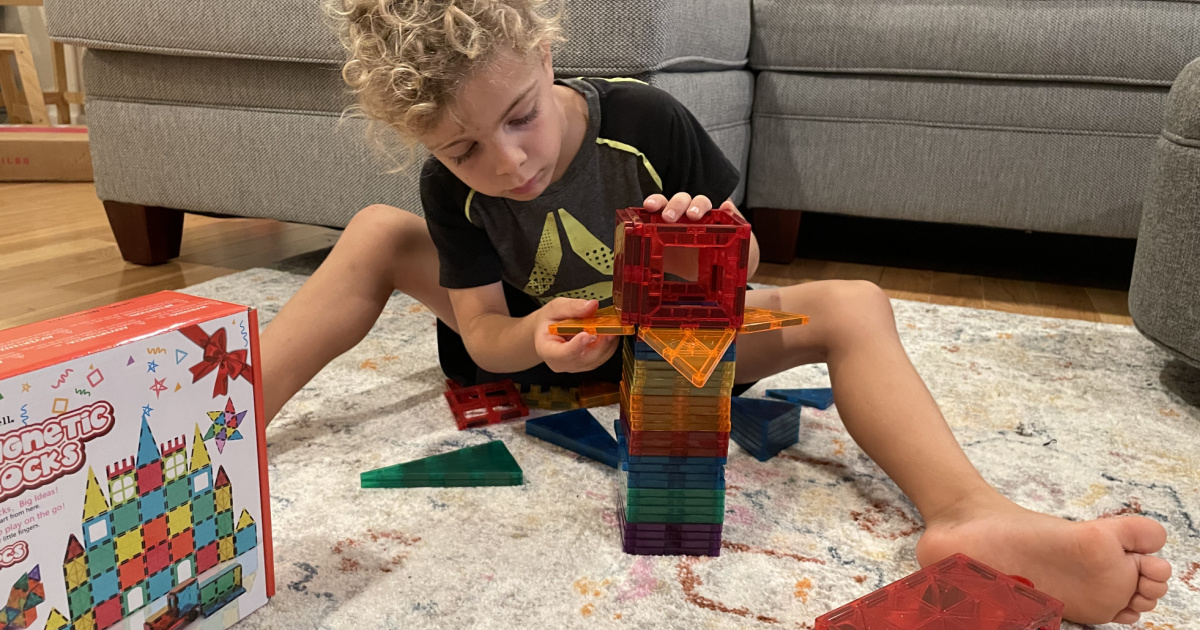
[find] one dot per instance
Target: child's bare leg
(1098, 568)
(382, 249)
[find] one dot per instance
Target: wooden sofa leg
(146, 235)
(776, 231)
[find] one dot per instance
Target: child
(518, 158)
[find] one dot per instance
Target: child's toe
(1127, 616)
(1154, 568)
(1151, 588)
(1141, 604)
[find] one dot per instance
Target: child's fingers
(597, 352)
(559, 309)
(700, 207)
(655, 202)
(677, 206)
(566, 351)
(728, 205)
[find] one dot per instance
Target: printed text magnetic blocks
(957, 592)
(646, 295)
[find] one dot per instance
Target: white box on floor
(133, 489)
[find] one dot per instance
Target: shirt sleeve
(694, 163)
(468, 258)
(676, 145)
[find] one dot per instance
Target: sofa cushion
(1182, 119)
(604, 38)
(264, 138)
(1051, 157)
(1115, 41)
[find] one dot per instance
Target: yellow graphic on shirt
(589, 248)
(549, 257)
(545, 263)
(599, 291)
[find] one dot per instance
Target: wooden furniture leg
(776, 231)
(18, 46)
(145, 235)
(59, 57)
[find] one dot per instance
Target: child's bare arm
(503, 344)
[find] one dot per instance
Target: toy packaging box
(133, 486)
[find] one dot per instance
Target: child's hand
(694, 207)
(581, 353)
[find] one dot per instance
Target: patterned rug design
(1074, 418)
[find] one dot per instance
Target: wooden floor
(57, 256)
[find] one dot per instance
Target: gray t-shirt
(639, 141)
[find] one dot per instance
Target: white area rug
(1068, 417)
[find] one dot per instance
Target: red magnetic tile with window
(957, 593)
(644, 294)
(488, 403)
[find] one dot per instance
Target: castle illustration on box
(165, 522)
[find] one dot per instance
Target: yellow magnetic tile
(606, 321)
(761, 319)
(599, 394)
(179, 519)
(129, 544)
(695, 352)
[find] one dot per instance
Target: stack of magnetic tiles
(673, 433)
(673, 439)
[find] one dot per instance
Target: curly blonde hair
(406, 59)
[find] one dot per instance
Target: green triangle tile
(485, 465)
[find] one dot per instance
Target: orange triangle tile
(761, 319)
(695, 352)
(606, 321)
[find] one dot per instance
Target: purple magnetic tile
(672, 550)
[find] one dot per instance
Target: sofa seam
(1182, 141)
(108, 45)
(165, 103)
(728, 125)
(118, 46)
(921, 123)
(966, 74)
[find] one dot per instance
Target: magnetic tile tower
(165, 521)
(673, 431)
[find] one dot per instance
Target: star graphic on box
(225, 425)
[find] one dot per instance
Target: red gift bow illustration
(227, 364)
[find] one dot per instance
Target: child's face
(508, 135)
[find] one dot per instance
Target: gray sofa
(1028, 115)
(1164, 296)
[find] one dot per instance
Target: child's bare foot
(1099, 569)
